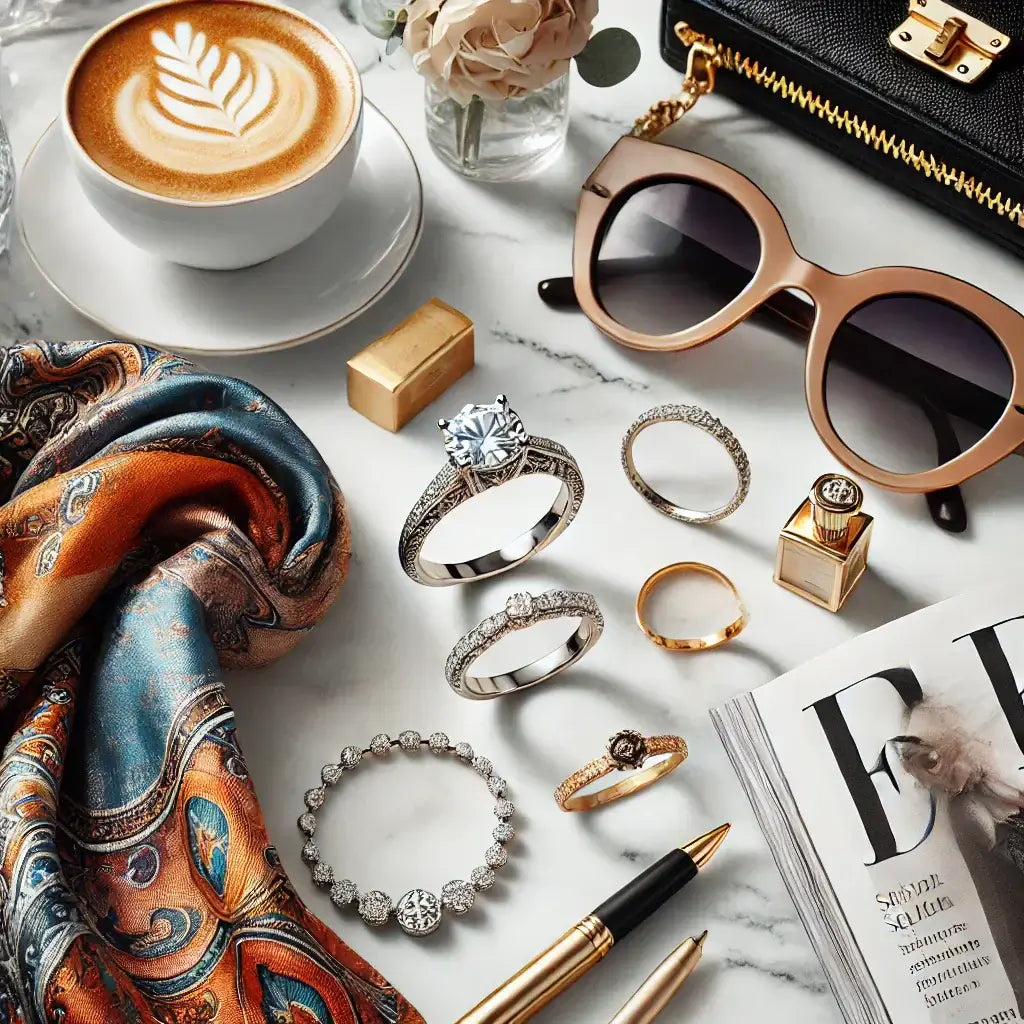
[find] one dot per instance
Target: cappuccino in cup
(214, 105)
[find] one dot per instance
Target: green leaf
(378, 17)
(611, 56)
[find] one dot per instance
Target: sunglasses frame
(633, 164)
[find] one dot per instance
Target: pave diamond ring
(488, 446)
(521, 612)
(419, 912)
(702, 420)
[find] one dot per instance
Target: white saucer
(327, 281)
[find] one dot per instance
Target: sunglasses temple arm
(947, 505)
(559, 293)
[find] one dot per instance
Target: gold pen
(588, 942)
(666, 980)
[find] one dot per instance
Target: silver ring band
(521, 612)
(502, 455)
(702, 420)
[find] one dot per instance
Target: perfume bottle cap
(835, 500)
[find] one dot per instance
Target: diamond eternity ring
(521, 612)
(419, 911)
(488, 446)
(702, 420)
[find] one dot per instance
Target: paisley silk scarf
(157, 525)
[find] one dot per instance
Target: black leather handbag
(929, 98)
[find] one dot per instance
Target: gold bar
(397, 376)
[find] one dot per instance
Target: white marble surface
(376, 663)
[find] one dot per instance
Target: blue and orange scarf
(157, 525)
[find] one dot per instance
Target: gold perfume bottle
(823, 549)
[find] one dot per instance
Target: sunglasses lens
(895, 382)
(674, 254)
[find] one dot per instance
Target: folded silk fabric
(158, 524)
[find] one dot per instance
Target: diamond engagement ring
(628, 751)
(419, 912)
(702, 420)
(521, 612)
(488, 446)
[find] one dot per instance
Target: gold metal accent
(880, 139)
(664, 982)
(835, 499)
(823, 549)
(674, 746)
(701, 63)
(546, 976)
(938, 35)
(703, 643)
(703, 848)
(399, 374)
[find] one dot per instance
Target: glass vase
(506, 141)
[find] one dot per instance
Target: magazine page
(904, 751)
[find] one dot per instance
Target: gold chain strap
(701, 63)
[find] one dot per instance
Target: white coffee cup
(225, 234)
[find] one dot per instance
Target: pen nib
(700, 939)
(704, 847)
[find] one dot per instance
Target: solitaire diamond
(483, 437)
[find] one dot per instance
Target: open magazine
(888, 777)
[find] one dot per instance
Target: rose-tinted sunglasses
(673, 249)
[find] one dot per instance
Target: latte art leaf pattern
(204, 91)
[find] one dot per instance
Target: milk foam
(207, 100)
(203, 108)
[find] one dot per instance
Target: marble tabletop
(376, 663)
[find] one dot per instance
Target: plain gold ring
(700, 643)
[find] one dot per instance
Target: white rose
(496, 49)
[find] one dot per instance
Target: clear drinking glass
(501, 142)
(24, 17)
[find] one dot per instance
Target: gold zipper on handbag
(706, 56)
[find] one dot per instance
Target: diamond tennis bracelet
(419, 911)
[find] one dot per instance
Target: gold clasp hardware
(701, 63)
(937, 34)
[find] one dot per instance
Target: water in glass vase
(508, 141)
